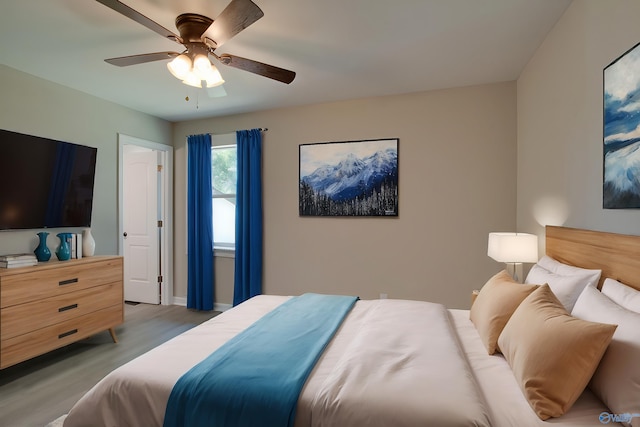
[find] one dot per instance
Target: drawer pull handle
(68, 282)
(66, 334)
(69, 307)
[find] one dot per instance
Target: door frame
(166, 240)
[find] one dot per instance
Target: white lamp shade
(192, 79)
(180, 66)
(213, 77)
(201, 66)
(513, 247)
(193, 74)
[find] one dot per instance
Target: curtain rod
(226, 133)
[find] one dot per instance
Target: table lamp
(513, 249)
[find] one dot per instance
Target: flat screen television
(44, 183)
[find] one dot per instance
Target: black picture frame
(621, 132)
(349, 178)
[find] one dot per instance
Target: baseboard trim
(216, 306)
(221, 307)
(180, 301)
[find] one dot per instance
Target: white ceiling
(340, 49)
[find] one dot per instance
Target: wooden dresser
(53, 304)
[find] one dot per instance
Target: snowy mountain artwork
(621, 186)
(352, 178)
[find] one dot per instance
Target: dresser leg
(113, 335)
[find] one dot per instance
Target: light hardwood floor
(40, 390)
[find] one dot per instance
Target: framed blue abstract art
(621, 99)
(350, 178)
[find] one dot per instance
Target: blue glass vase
(42, 251)
(64, 250)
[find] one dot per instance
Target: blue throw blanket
(256, 377)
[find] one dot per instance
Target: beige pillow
(495, 304)
(552, 355)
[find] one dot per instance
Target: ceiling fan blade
(140, 19)
(275, 73)
(124, 61)
(237, 16)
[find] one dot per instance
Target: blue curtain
(200, 225)
(248, 263)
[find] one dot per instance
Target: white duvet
(392, 363)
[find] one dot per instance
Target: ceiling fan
(201, 36)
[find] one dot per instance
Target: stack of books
(17, 260)
(76, 245)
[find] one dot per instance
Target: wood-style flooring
(40, 390)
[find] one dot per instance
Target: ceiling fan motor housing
(191, 26)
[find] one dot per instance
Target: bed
(391, 362)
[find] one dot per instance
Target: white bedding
(506, 403)
(393, 362)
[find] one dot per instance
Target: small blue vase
(42, 251)
(64, 250)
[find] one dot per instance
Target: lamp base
(516, 271)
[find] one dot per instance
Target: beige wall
(457, 169)
(560, 119)
(37, 107)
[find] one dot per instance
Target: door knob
(124, 234)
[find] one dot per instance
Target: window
(223, 193)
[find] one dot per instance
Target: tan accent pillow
(495, 304)
(552, 355)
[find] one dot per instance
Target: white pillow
(554, 266)
(566, 288)
(622, 294)
(617, 379)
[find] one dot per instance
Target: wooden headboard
(617, 255)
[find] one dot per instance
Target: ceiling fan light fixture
(180, 66)
(192, 79)
(193, 73)
(213, 77)
(201, 66)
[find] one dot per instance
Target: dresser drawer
(44, 282)
(17, 349)
(21, 319)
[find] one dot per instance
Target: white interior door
(140, 225)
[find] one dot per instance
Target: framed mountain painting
(349, 178)
(621, 99)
